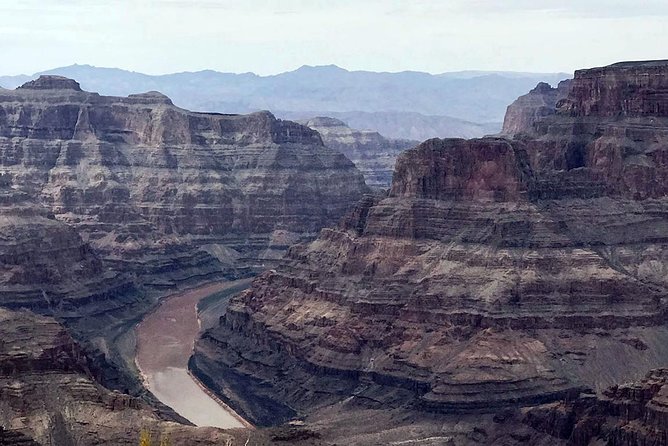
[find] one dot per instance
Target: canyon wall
(498, 273)
(373, 154)
(147, 183)
(108, 203)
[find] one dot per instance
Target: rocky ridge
(498, 273)
(373, 154)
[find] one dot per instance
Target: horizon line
(304, 66)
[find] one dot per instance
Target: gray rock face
(372, 153)
(142, 180)
(539, 102)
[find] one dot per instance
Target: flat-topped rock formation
(139, 177)
(490, 278)
(372, 153)
(608, 134)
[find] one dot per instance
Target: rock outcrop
(497, 274)
(539, 102)
(372, 153)
(48, 394)
(147, 184)
(608, 136)
(623, 415)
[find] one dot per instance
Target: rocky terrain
(499, 273)
(539, 102)
(49, 395)
(373, 154)
(623, 415)
(139, 177)
(109, 203)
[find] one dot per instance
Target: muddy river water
(165, 340)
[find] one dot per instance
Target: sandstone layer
(147, 184)
(373, 154)
(498, 273)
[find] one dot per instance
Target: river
(165, 341)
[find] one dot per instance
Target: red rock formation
(497, 274)
(613, 125)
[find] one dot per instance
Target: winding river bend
(165, 340)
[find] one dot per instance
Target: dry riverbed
(165, 340)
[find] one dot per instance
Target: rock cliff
(48, 394)
(147, 184)
(372, 153)
(626, 414)
(498, 273)
(539, 102)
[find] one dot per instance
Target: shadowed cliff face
(146, 183)
(609, 134)
(487, 279)
(623, 415)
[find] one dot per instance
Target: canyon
(107, 204)
(509, 289)
(497, 277)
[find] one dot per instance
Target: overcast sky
(272, 36)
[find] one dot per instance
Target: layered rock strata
(373, 154)
(48, 394)
(44, 263)
(624, 415)
(108, 203)
(497, 273)
(148, 184)
(539, 102)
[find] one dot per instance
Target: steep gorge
(108, 203)
(498, 273)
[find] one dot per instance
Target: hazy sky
(271, 36)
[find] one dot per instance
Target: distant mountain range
(408, 104)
